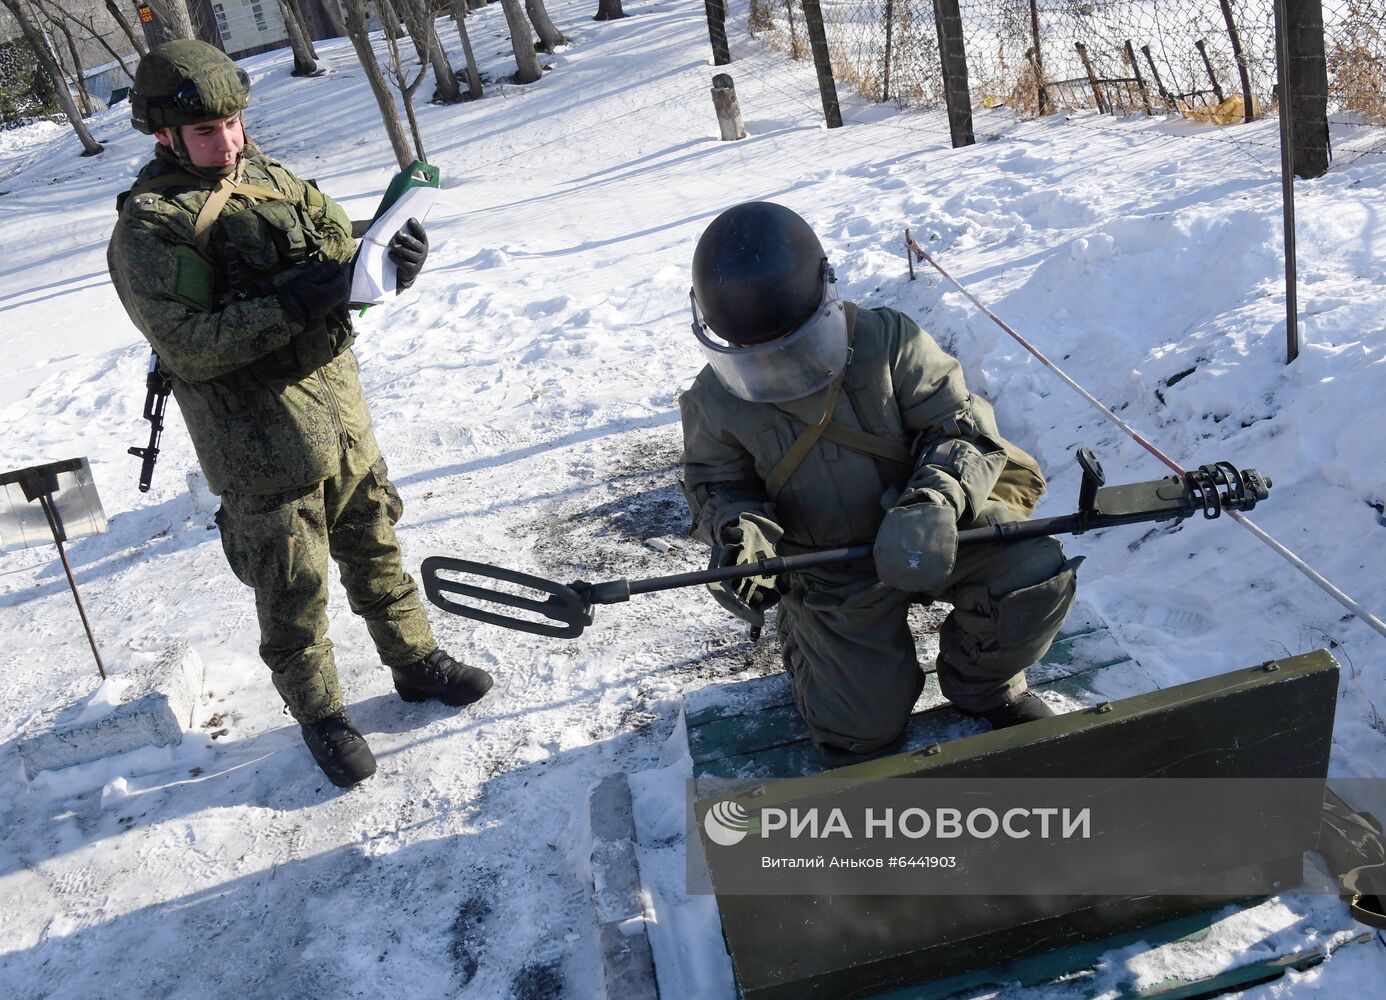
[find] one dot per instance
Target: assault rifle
(1210, 490)
(159, 384)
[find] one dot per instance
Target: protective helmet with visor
(765, 306)
(791, 366)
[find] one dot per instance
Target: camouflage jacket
(270, 403)
(899, 386)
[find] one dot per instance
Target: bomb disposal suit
(818, 425)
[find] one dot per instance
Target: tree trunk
(77, 69)
(297, 7)
(522, 42)
(448, 89)
(459, 15)
(334, 16)
(609, 10)
(304, 64)
(90, 147)
(550, 38)
(171, 20)
(118, 16)
(405, 86)
(360, 39)
(430, 47)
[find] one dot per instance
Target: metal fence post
(717, 31)
(889, 31)
(1092, 79)
(1040, 91)
(953, 59)
(1240, 56)
(818, 41)
(1202, 47)
(1140, 80)
(1287, 182)
(1306, 70)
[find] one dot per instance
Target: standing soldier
(817, 424)
(237, 273)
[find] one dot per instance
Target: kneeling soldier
(816, 425)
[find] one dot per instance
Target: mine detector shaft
(567, 609)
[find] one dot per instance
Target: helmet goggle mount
(795, 365)
(188, 99)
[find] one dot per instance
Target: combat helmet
(766, 310)
(184, 82)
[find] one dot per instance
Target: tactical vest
(252, 250)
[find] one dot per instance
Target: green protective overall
(845, 637)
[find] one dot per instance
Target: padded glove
(408, 249)
(315, 291)
(916, 545)
(750, 538)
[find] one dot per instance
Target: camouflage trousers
(279, 545)
(851, 657)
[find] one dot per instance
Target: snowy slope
(525, 396)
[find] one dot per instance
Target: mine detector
(1265, 730)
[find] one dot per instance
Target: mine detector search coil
(1210, 489)
(158, 384)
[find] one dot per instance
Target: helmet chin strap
(180, 151)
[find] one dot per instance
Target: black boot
(439, 676)
(340, 749)
(1027, 708)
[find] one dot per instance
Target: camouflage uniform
(275, 410)
(846, 642)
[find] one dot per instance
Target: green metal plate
(1274, 720)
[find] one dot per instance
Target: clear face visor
(789, 367)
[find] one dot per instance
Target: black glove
(316, 290)
(409, 250)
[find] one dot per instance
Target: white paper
(373, 273)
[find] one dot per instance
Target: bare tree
(550, 38)
(171, 20)
(360, 39)
(333, 14)
(419, 20)
(78, 70)
(118, 16)
(90, 147)
(459, 15)
(101, 40)
(403, 84)
(522, 42)
(304, 63)
(609, 10)
(296, 6)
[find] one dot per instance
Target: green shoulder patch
(193, 284)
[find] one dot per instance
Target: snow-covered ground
(525, 396)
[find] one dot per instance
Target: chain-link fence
(1205, 58)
